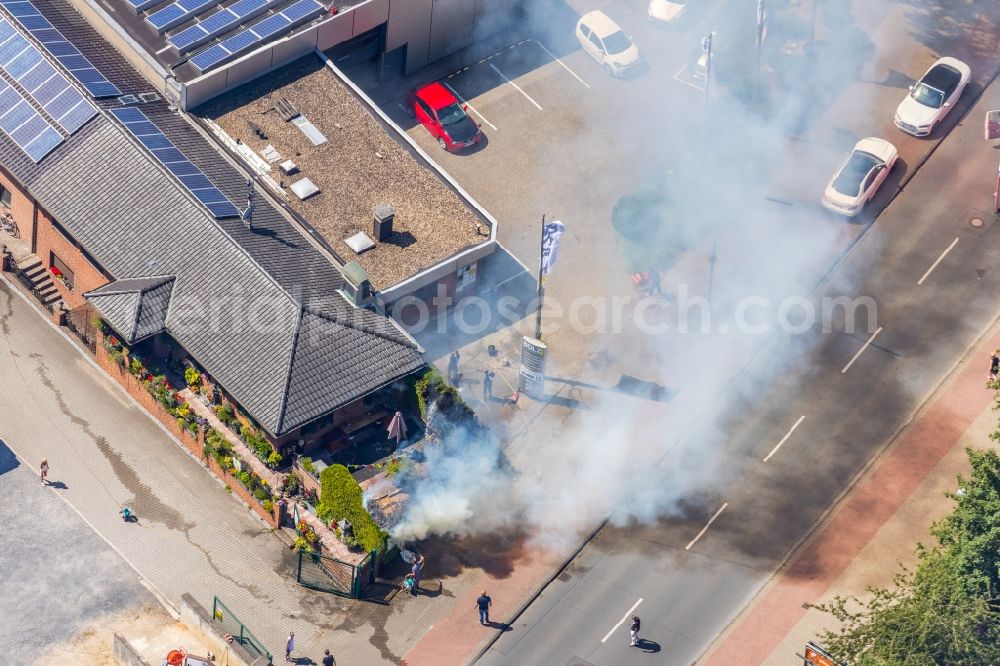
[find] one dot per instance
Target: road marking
(784, 439)
(934, 265)
(687, 83)
(861, 351)
(455, 93)
(564, 65)
(621, 621)
(707, 525)
(517, 87)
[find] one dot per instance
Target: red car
(436, 108)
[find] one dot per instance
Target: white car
(607, 43)
(666, 11)
(859, 177)
(932, 97)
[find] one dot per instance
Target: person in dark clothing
(328, 659)
(483, 603)
(633, 630)
(994, 365)
(655, 282)
(487, 385)
(453, 367)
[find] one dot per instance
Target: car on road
(859, 176)
(437, 109)
(932, 97)
(607, 43)
(666, 11)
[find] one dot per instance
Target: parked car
(666, 11)
(932, 97)
(607, 43)
(437, 109)
(859, 177)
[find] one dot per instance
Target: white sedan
(859, 177)
(666, 11)
(932, 97)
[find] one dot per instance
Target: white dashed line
(934, 265)
(564, 65)
(709, 524)
(621, 621)
(516, 87)
(784, 439)
(472, 108)
(861, 351)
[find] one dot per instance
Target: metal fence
(30, 286)
(81, 321)
(231, 625)
(328, 574)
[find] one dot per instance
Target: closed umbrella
(397, 427)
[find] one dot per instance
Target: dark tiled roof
(259, 310)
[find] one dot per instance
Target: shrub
(394, 466)
(260, 494)
(341, 497)
(273, 459)
(303, 545)
(291, 483)
(268, 506)
(307, 465)
(432, 389)
(225, 413)
(135, 367)
(192, 376)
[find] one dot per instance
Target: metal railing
(232, 626)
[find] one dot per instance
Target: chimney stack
(384, 214)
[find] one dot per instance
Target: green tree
(341, 498)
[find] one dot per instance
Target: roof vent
(128, 99)
(149, 97)
(384, 214)
(360, 242)
(357, 284)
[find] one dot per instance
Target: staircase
(35, 271)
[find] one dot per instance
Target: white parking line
(934, 265)
(687, 83)
(784, 439)
(517, 87)
(861, 351)
(709, 524)
(621, 621)
(455, 93)
(565, 66)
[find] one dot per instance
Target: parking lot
(563, 138)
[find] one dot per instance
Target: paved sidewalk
(877, 525)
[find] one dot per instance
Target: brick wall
(196, 445)
(86, 276)
(22, 206)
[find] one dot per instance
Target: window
(60, 271)
(4, 196)
(596, 41)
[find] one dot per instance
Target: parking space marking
(785, 438)
(564, 65)
(687, 83)
(861, 351)
(621, 621)
(516, 87)
(709, 524)
(935, 264)
(463, 101)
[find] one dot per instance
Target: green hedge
(341, 497)
(432, 389)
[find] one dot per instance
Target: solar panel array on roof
(190, 176)
(26, 66)
(139, 5)
(61, 48)
(289, 17)
(220, 22)
(30, 131)
(178, 12)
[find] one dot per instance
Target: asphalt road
(845, 401)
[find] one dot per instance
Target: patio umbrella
(397, 427)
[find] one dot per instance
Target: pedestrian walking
(655, 282)
(43, 471)
(483, 603)
(453, 367)
(289, 646)
(328, 659)
(418, 567)
(487, 384)
(633, 630)
(994, 365)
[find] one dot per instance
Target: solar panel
(164, 151)
(292, 15)
(61, 48)
(140, 5)
(177, 13)
(219, 22)
(24, 125)
(55, 95)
